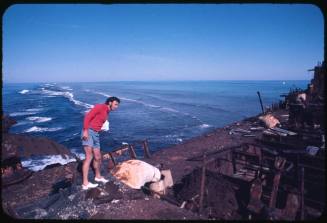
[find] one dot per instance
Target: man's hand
(85, 134)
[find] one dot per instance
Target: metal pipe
(112, 159)
(146, 149)
(132, 152)
(203, 175)
(260, 102)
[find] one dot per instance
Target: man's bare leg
(86, 164)
(97, 162)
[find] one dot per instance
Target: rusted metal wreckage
(120, 151)
(278, 183)
(281, 173)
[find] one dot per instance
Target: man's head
(112, 102)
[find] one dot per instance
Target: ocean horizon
(165, 113)
(165, 80)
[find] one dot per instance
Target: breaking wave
(79, 154)
(66, 88)
(22, 113)
(203, 126)
(41, 129)
(21, 123)
(39, 119)
(161, 108)
(37, 164)
(170, 110)
(23, 91)
(34, 109)
(68, 95)
(100, 93)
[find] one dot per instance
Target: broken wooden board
(284, 131)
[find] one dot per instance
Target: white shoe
(90, 185)
(101, 180)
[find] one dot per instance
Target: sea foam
(40, 129)
(24, 91)
(22, 113)
(203, 126)
(163, 109)
(34, 109)
(40, 163)
(68, 95)
(39, 119)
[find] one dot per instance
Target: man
(93, 123)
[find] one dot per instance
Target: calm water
(165, 113)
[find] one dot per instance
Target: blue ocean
(163, 112)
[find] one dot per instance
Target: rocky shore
(55, 192)
(245, 170)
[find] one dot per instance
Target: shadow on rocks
(104, 195)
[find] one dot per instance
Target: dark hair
(111, 99)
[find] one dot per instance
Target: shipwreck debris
(120, 151)
(263, 111)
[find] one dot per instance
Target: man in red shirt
(93, 123)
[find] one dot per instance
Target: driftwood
(284, 131)
(200, 157)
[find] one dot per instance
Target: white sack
(135, 173)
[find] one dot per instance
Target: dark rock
(104, 199)
(15, 146)
(10, 161)
(38, 213)
(111, 188)
(169, 214)
(40, 184)
(135, 195)
(16, 177)
(93, 193)
(52, 165)
(80, 166)
(25, 146)
(6, 207)
(7, 122)
(104, 195)
(61, 185)
(8, 149)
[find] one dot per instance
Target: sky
(154, 42)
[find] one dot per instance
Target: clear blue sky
(58, 43)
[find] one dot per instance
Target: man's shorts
(93, 139)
